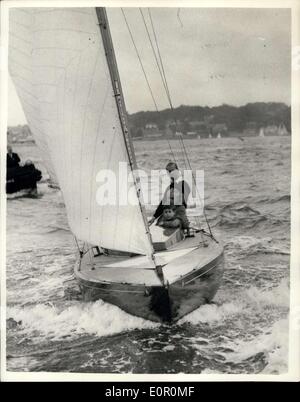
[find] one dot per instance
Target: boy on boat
(176, 194)
(168, 219)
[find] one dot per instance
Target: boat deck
(180, 260)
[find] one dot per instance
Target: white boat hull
(191, 273)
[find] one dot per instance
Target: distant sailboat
(210, 136)
(261, 132)
(282, 130)
(65, 72)
(219, 135)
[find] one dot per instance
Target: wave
(234, 215)
(285, 197)
(247, 331)
(57, 229)
(249, 245)
(270, 347)
(98, 318)
(247, 301)
(242, 215)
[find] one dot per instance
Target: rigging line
(164, 75)
(151, 43)
(137, 53)
(160, 72)
(145, 75)
(181, 139)
(165, 79)
(195, 183)
(160, 58)
(77, 245)
(178, 17)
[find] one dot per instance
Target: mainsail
(58, 64)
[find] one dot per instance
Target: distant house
(151, 131)
(151, 126)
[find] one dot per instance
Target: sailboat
(64, 69)
(261, 132)
(219, 135)
(22, 180)
(282, 130)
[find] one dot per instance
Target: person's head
(172, 170)
(9, 149)
(168, 213)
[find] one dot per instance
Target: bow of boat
(189, 275)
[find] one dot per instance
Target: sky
(211, 56)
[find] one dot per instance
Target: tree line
(236, 118)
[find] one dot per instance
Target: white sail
(282, 130)
(58, 64)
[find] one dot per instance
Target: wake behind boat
(64, 68)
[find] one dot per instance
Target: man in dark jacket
(177, 194)
(12, 159)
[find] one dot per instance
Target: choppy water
(247, 187)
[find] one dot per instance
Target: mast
(117, 88)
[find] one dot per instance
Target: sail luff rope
(113, 70)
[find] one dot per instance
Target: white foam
(210, 313)
(250, 300)
(272, 342)
(97, 318)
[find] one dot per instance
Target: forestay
(58, 65)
